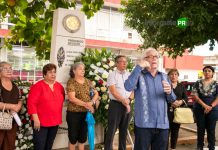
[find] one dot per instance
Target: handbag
(183, 115)
(5, 118)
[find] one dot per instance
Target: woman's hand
(207, 109)
(89, 106)
(36, 122)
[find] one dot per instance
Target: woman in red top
(45, 103)
(10, 100)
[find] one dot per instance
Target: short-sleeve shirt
(206, 93)
(11, 96)
(82, 92)
(118, 79)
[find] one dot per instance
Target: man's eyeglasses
(152, 57)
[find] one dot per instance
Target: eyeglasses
(6, 69)
(152, 57)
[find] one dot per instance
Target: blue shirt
(150, 99)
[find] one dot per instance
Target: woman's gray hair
(74, 67)
(2, 63)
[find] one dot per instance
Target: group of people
(156, 96)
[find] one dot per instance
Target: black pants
(208, 122)
(117, 118)
(44, 138)
(173, 131)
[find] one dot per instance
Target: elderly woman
(10, 101)
(80, 101)
(182, 98)
(45, 102)
(205, 93)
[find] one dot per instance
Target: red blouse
(47, 104)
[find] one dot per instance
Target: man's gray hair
(148, 50)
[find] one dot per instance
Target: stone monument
(68, 41)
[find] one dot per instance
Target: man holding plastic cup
(152, 93)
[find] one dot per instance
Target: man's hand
(143, 63)
(166, 87)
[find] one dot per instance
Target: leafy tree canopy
(156, 22)
(33, 20)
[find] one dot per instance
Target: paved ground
(186, 141)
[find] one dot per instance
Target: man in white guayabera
(152, 92)
(119, 107)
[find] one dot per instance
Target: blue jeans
(44, 138)
(146, 138)
(208, 122)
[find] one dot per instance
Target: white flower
(91, 73)
(110, 71)
(111, 63)
(98, 64)
(17, 148)
(104, 97)
(24, 146)
(104, 83)
(20, 136)
(104, 59)
(115, 68)
(25, 91)
(95, 71)
(97, 88)
(93, 83)
(104, 76)
(93, 66)
(106, 66)
(27, 126)
(103, 89)
(106, 106)
(23, 97)
(30, 137)
(97, 78)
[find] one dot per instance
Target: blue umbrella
(91, 130)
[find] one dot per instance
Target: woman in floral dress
(205, 93)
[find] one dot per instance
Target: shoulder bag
(5, 117)
(183, 115)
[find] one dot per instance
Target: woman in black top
(205, 93)
(10, 100)
(180, 93)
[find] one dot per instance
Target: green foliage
(155, 21)
(33, 20)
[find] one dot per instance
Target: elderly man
(152, 92)
(119, 108)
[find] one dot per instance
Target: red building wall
(188, 62)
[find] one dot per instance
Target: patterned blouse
(206, 93)
(82, 92)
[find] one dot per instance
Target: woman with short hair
(80, 101)
(10, 101)
(181, 98)
(45, 103)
